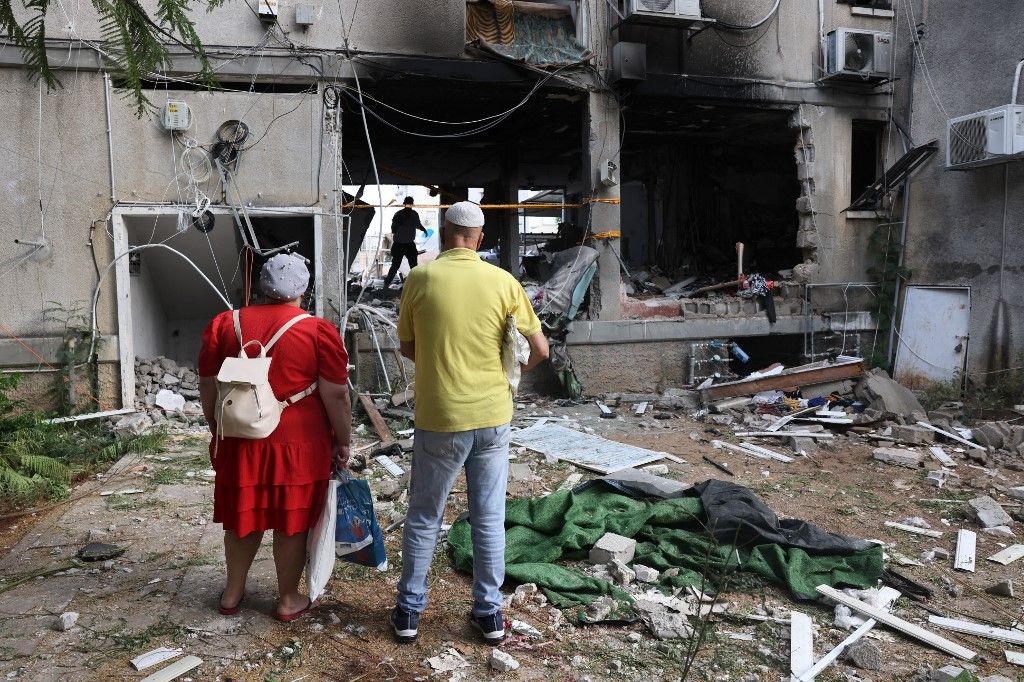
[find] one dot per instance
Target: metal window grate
(968, 141)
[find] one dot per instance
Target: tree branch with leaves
(133, 43)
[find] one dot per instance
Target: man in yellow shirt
(451, 324)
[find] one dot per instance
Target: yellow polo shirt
(455, 309)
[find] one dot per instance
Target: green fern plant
(134, 43)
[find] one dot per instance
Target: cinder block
(612, 547)
(903, 458)
(912, 434)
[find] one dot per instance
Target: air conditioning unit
(985, 138)
(853, 54)
(664, 11)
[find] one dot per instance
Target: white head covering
(284, 277)
(465, 214)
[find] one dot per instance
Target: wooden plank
(966, 542)
(784, 434)
(779, 423)
(1008, 555)
(951, 436)
(176, 669)
(886, 597)
(796, 379)
(1014, 657)
(379, 425)
(914, 529)
(885, 618)
(801, 643)
(940, 454)
(978, 630)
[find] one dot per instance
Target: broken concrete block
(913, 434)
(502, 662)
(989, 512)
(612, 547)
(667, 625)
(1002, 531)
(883, 394)
(66, 621)
(903, 458)
(805, 445)
(521, 472)
(947, 673)
(656, 469)
(133, 425)
(1003, 588)
(621, 573)
(523, 593)
(936, 478)
(1016, 493)
(940, 553)
(645, 574)
(865, 655)
(600, 608)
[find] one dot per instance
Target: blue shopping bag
(357, 534)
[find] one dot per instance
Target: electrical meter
(177, 115)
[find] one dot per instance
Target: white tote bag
(320, 544)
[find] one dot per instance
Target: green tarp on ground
(670, 533)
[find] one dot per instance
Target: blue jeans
(437, 459)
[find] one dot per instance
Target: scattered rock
(523, 593)
(169, 400)
(621, 573)
(1001, 531)
(881, 393)
(656, 469)
(947, 673)
(98, 551)
(667, 625)
(806, 446)
(600, 608)
(940, 553)
(865, 655)
(952, 588)
(903, 458)
(447, 661)
(523, 628)
(502, 662)
(388, 489)
(913, 434)
(645, 574)
(916, 522)
(133, 425)
(989, 513)
(612, 547)
(66, 621)
(937, 478)
(1003, 588)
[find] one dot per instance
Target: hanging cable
(719, 23)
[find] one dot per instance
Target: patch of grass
(859, 493)
(999, 393)
(132, 502)
(169, 475)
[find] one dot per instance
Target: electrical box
(305, 15)
(177, 115)
(608, 173)
(267, 10)
(629, 62)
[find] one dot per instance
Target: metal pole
(110, 134)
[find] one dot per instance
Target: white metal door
(932, 339)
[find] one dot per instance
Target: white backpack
(246, 404)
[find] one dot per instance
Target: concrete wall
(149, 322)
(956, 221)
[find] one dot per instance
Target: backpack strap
(300, 395)
(236, 316)
(284, 328)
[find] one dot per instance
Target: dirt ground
(162, 591)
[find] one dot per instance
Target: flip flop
(229, 610)
(288, 618)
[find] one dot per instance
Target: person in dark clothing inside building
(403, 239)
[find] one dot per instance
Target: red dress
(279, 482)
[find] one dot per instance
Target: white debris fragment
(645, 574)
(66, 621)
(502, 662)
(447, 661)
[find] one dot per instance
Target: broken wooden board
(583, 449)
(885, 618)
(887, 596)
(1008, 555)
(379, 425)
(951, 436)
(801, 643)
(977, 629)
(760, 453)
(966, 541)
(851, 368)
(939, 454)
(914, 529)
(174, 670)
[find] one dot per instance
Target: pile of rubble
(164, 390)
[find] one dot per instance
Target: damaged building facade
(674, 130)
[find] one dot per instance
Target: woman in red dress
(279, 482)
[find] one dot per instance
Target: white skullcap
(284, 277)
(465, 214)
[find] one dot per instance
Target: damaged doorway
(164, 304)
(698, 179)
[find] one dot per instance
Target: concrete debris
(800, 445)
(1000, 531)
(66, 621)
(612, 547)
(522, 473)
(621, 573)
(668, 625)
(881, 393)
(989, 512)
(133, 425)
(447, 661)
(599, 609)
(903, 458)
(167, 390)
(388, 489)
(947, 673)
(501, 661)
(523, 628)
(1003, 588)
(645, 574)
(865, 655)
(940, 553)
(523, 594)
(656, 469)
(916, 521)
(912, 434)
(937, 478)
(170, 401)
